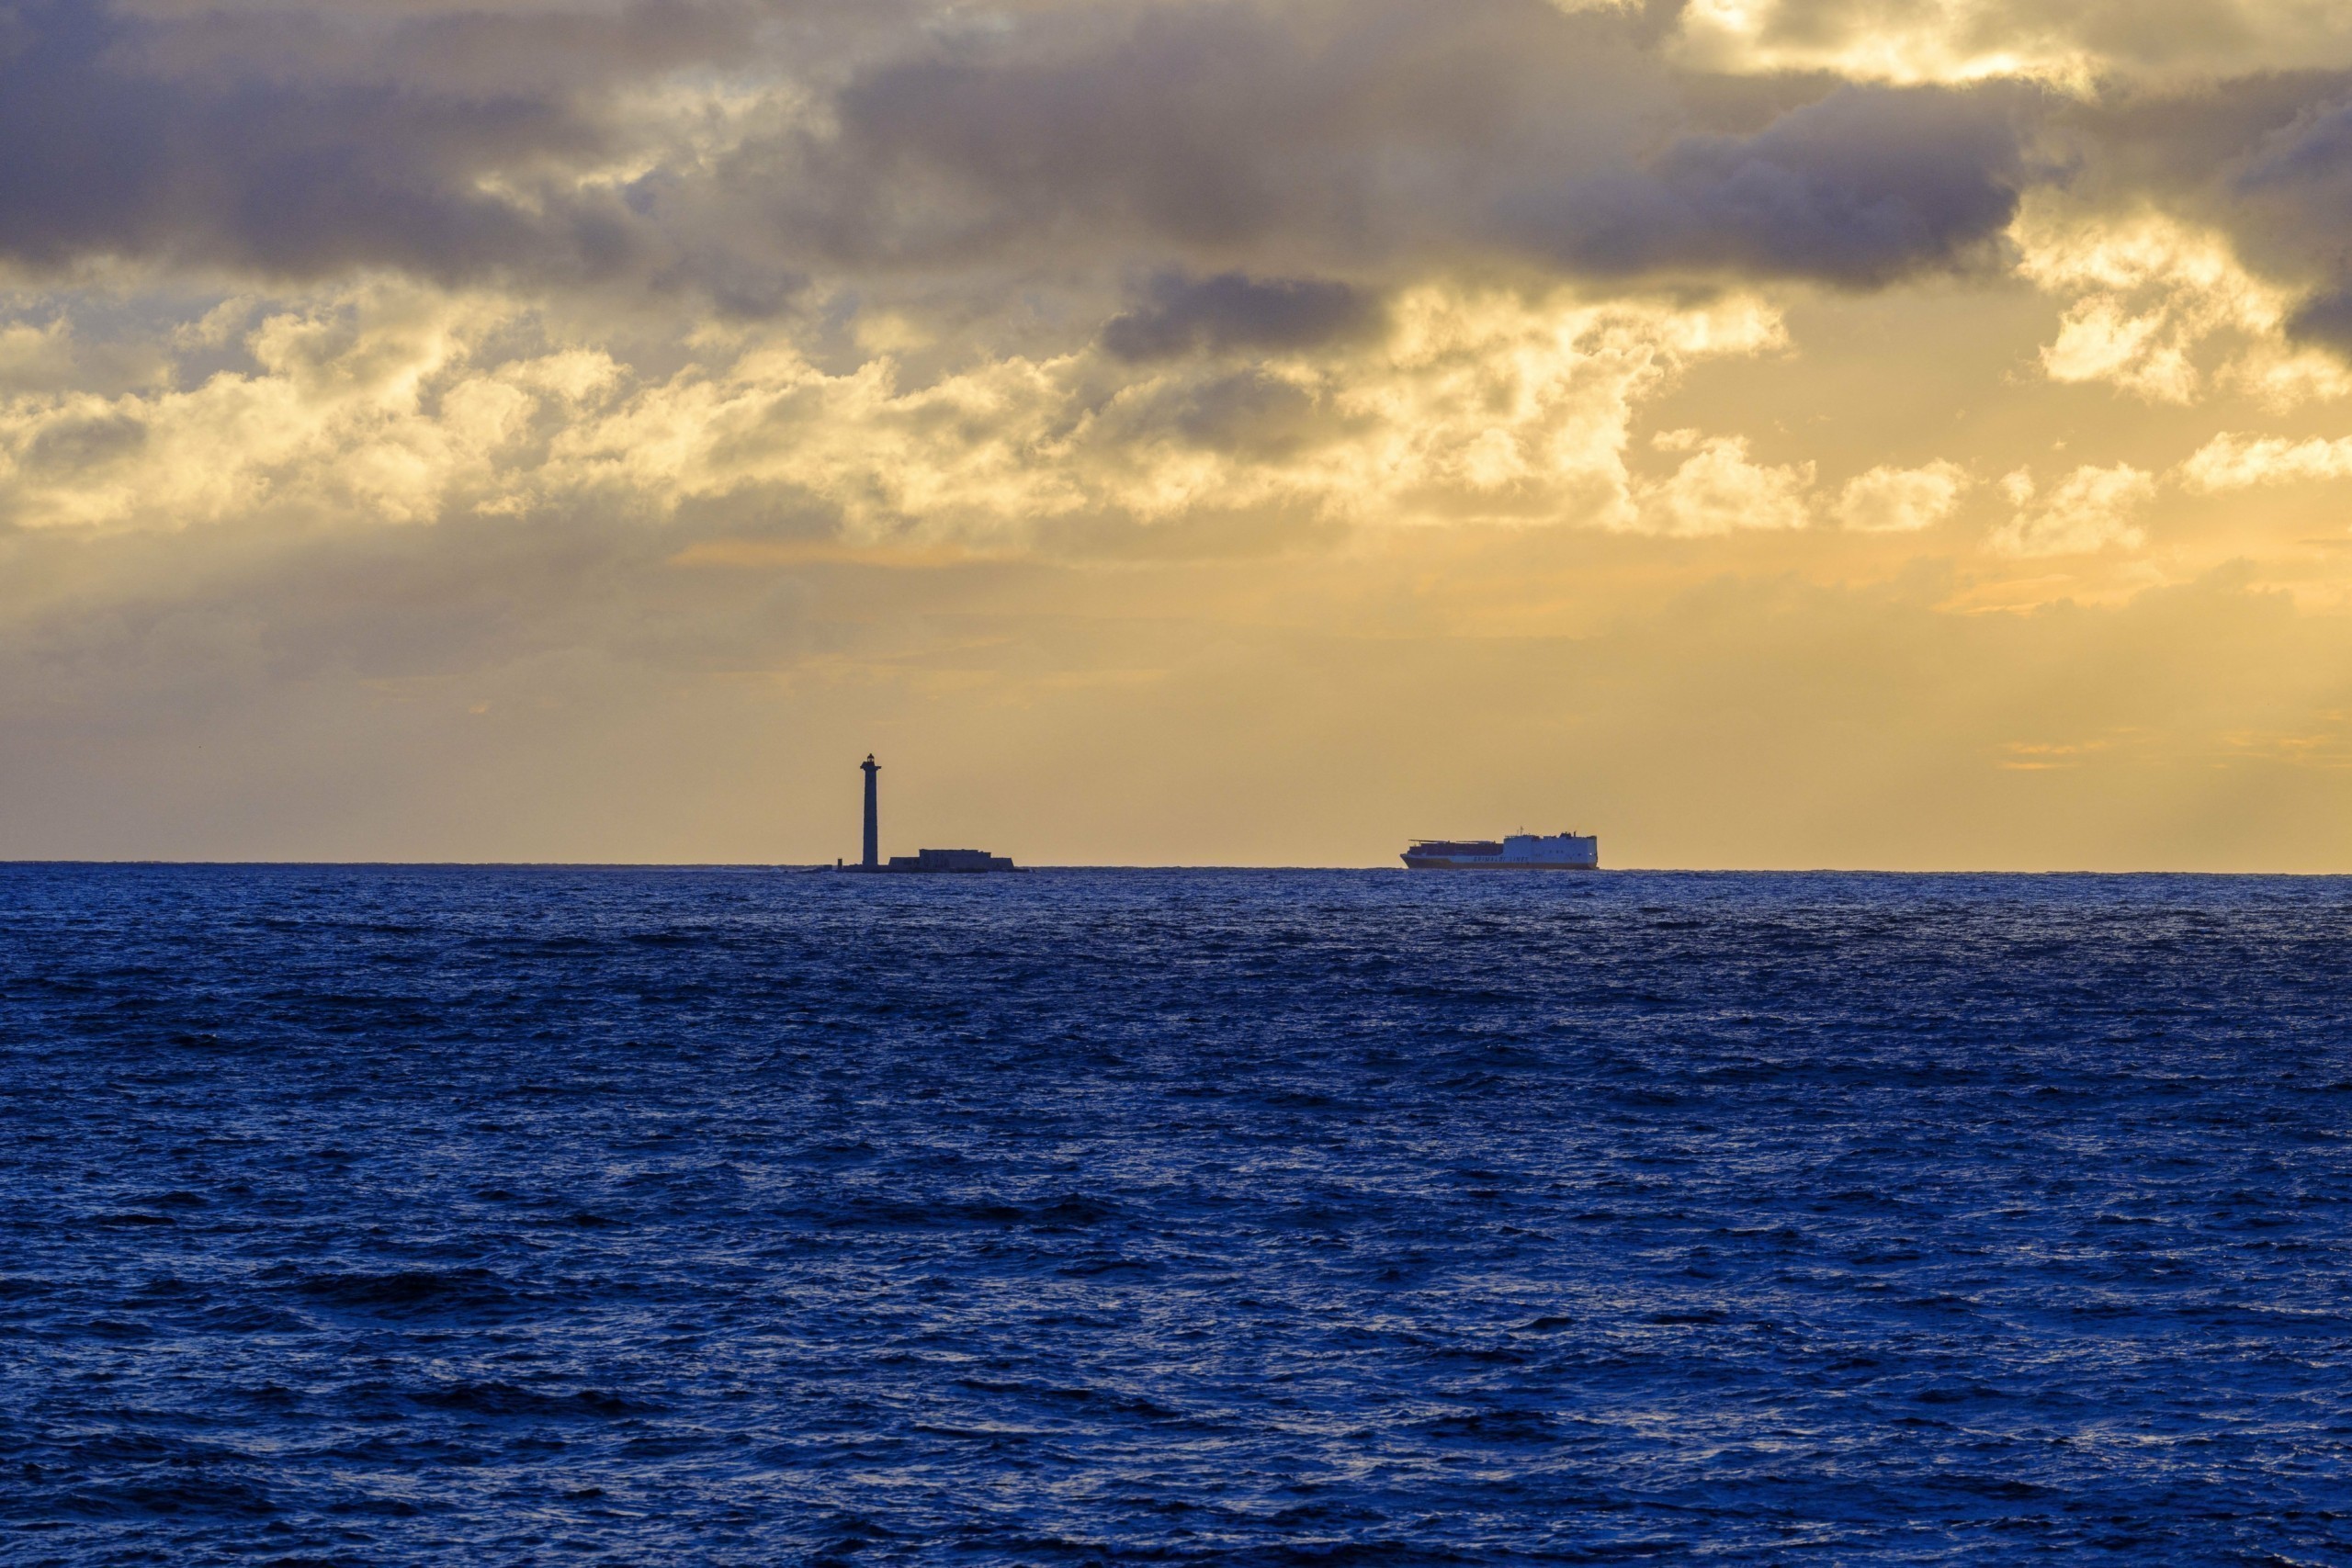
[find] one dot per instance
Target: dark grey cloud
(918, 147)
(140, 136)
(2326, 319)
(1233, 310)
(473, 49)
(1861, 189)
(1246, 133)
(1379, 136)
(2292, 198)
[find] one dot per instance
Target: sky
(1763, 433)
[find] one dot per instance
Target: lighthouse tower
(873, 861)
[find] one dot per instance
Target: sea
(389, 1216)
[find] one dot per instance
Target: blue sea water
(379, 1215)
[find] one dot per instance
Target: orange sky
(1763, 433)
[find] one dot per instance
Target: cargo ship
(1518, 851)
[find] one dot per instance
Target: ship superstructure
(1518, 851)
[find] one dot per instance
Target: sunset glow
(1775, 433)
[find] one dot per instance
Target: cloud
(2069, 43)
(366, 407)
(2291, 189)
(1858, 189)
(134, 133)
(1380, 133)
(2264, 160)
(2148, 290)
(1379, 260)
(1895, 501)
(743, 154)
(2239, 462)
(394, 404)
(2150, 293)
(2092, 509)
(1718, 490)
(1233, 311)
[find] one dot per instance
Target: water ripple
(365, 1215)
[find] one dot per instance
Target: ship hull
(1411, 863)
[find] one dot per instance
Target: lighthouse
(873, 861)
(928, 860)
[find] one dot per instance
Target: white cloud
(2149, 293)
(369, 406)
(1894, 501)
(2062, 43)
(2279, 375)
(2239, 462)
(392, 403)
(1928, 41)
(1718, 490)
(2090, 509)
